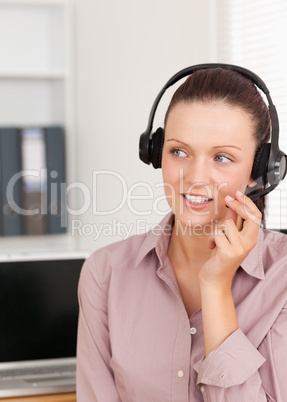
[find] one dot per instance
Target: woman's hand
(230, 244)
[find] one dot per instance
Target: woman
(197, 312)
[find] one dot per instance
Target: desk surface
(43, 398)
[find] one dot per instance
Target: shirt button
(180, 373)
(193, 331)
(202, 388)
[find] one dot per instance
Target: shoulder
(126, 262)
(274, 252)
(119, 252)
(120, 255)
(274, 244)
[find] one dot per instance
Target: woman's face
(208, 153)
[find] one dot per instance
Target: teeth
(196, 199)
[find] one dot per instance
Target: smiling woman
(197, 310)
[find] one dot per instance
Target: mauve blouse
(137, 344)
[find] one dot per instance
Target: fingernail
(239, 193)
(228, 198)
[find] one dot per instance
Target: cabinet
(37, 82)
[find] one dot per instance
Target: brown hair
(234, 89)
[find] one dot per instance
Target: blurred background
(94, 67)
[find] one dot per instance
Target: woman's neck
(188, 247)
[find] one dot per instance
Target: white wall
(125, 52)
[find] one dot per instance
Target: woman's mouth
(196, 201)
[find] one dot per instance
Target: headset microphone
(269, 166)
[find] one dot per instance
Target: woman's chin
(196, 224)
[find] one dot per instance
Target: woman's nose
(198, 173)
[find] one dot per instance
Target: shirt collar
(158, 238)
(253, 263)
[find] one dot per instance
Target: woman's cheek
(230, 182)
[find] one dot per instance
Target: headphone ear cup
(260, 164)
(156, 146)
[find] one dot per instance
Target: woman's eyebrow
(217, 146)
(174, 139)
(227, 146)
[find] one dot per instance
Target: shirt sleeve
(237, 371)
(95, 381)
(274, 347)
(231, 372)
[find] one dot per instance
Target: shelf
(37, 84)
(32, 101)
(33, 2)
(35, 75)
(32, 38)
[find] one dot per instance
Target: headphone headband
(275, 169)
(190, 70)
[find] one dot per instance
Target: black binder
(56, 180)
(11, 183)
(16, 197)
(34, 180)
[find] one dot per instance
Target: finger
(231, 214)
(230, 230)
(249, 212)
(219, 239)
(251, 208)
(244, 207)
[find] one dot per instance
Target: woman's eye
(222, 159)
(178, 152)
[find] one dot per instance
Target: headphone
(270, 163)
